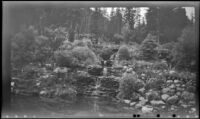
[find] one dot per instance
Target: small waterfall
(96, 87)
(105, 71)
(95, 93)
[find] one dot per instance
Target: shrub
(66, 46)
(155, 83)
(160, 65)
(79, 43)
(117, 38)
(123, 53)
(64, 58)
(140, 66)
(76, 56)
(106, 53)
(148, 48)
(88, 42)
(129, 84)
(29, 71)
(22, 47)
(84, 55)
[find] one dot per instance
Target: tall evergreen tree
(166, 22)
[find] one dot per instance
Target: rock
(147, 109)
(152, 95)
(178, 85)
(183, 85)
(165, 90)
(43, 93)
(127, 101)
(172, 86)
(38, 84)
(139, 105)
(157, 102)
(95, 70)
(178, 93)
(61, 70)
(172, 72)
(180, 102)
(184, 105)
(143, 102)
(165, 97)
(193, 109)
(132, 104)
(172, 92)
(141, 90)
(143, 75)
(135, 97)
(129, 70)
(176, 81)
(163, 107)
(179, 89)
(172, 99)
(172, 108)
(141, 98)
(169, 81)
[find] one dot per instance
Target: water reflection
(82, 107)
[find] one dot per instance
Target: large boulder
(147, 109)
(165, 97)
(172, 100)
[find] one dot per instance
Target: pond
(82, 107)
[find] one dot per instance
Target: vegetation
(65, 52)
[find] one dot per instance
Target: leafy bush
(160, 65)
(56, 37)
(148, 48)
(106, 53)
(83, 43)
(123, 53)
(29, 71)
(129, 84)
(155, 83)
(88, 42)
(117, 38)
(140, 66)
(64, 58)
(66, 46)
(74, 56)
(22, 48)
(84, 55)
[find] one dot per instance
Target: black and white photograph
(100, 59)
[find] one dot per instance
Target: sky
(189, 11)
